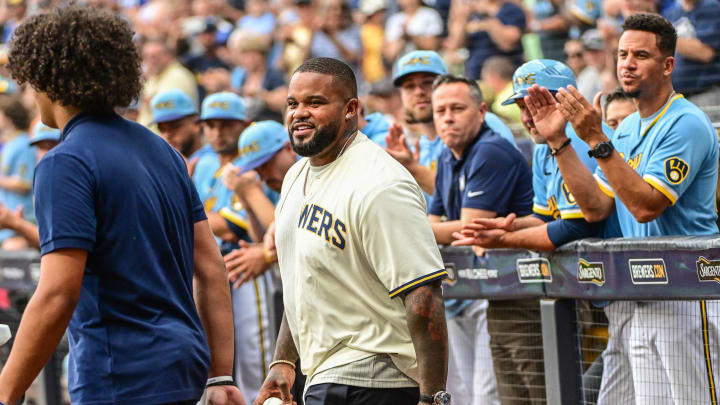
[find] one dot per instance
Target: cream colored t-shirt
(348, 246)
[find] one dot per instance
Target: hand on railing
(484, 232)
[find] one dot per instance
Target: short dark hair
(473, 87)
(665, 34)
(15, 111)
(341, 73)
(617, 95)
(82, 57)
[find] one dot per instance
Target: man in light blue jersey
(414, 75)
(223, 119)
(556, 220)
(17, 168)
(657, 173)
(176, 117)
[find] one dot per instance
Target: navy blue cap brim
(246, 167)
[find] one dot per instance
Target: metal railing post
(561, 354)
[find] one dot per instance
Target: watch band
(601, 150)
(427, 399)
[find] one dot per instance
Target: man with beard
(414, 75)
(175, 115)
(343, 221)
(657, 173)
(223, 119)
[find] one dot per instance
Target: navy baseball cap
(223, 106)
(42, 132)
(259, 143)
(548, 73)
(171, 105)
(418, 62)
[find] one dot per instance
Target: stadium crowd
(216, 86)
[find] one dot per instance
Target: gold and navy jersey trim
(233, 217)
(660, 186)
(706, 351)
(604, 186)
(574, 213)
(676, 97)
(422, 280)
(542, 210)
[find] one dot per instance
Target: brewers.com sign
(535, 270)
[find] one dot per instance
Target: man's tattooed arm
(426, 319)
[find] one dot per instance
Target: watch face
(442, 398)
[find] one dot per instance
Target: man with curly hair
(123, 234)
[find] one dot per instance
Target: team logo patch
(676, 170)
(648, 271)
(590, 272)
(165, 105)
(527, 79)
(708, 270)
(421, 60)
(536, 270)
(222, 105)
(568, 195)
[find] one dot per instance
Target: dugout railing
(680, 268)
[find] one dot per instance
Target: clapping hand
(398, 147)
(583, 117)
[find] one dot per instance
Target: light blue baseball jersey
(18, 160)
(552, 195)
(218, 198)
(430, 150)
(676, 151)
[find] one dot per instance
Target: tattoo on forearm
(285, 348)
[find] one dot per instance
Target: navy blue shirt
(491, 175)
(117, 190)
(704, 20)
(481, 47)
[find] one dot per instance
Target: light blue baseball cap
(259, 143)
(548, 73)
(171, 105)
(7, 86)
(223, 106)
(418, 62)
(42, 132)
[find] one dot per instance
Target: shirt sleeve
(397, 239)
(491, 180)
(539, 182)
(562, 231)
(676, 161)
(65, 203)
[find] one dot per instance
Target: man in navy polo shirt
(127, 252)
(479, 174)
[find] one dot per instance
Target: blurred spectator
(297, 35)
(13, 12)
(372, 33)
(18, 166)
(374, 125)
(590, 80)
(618, 105)
(43, 139)
(574, 56)
(551, 27)
(258, 18)
(697, 65)
(163, 73)
(497, 74)
(204, 55)
(414, 27)
(263, 87)
(335, 35)
(494, 27)
(384, 97)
